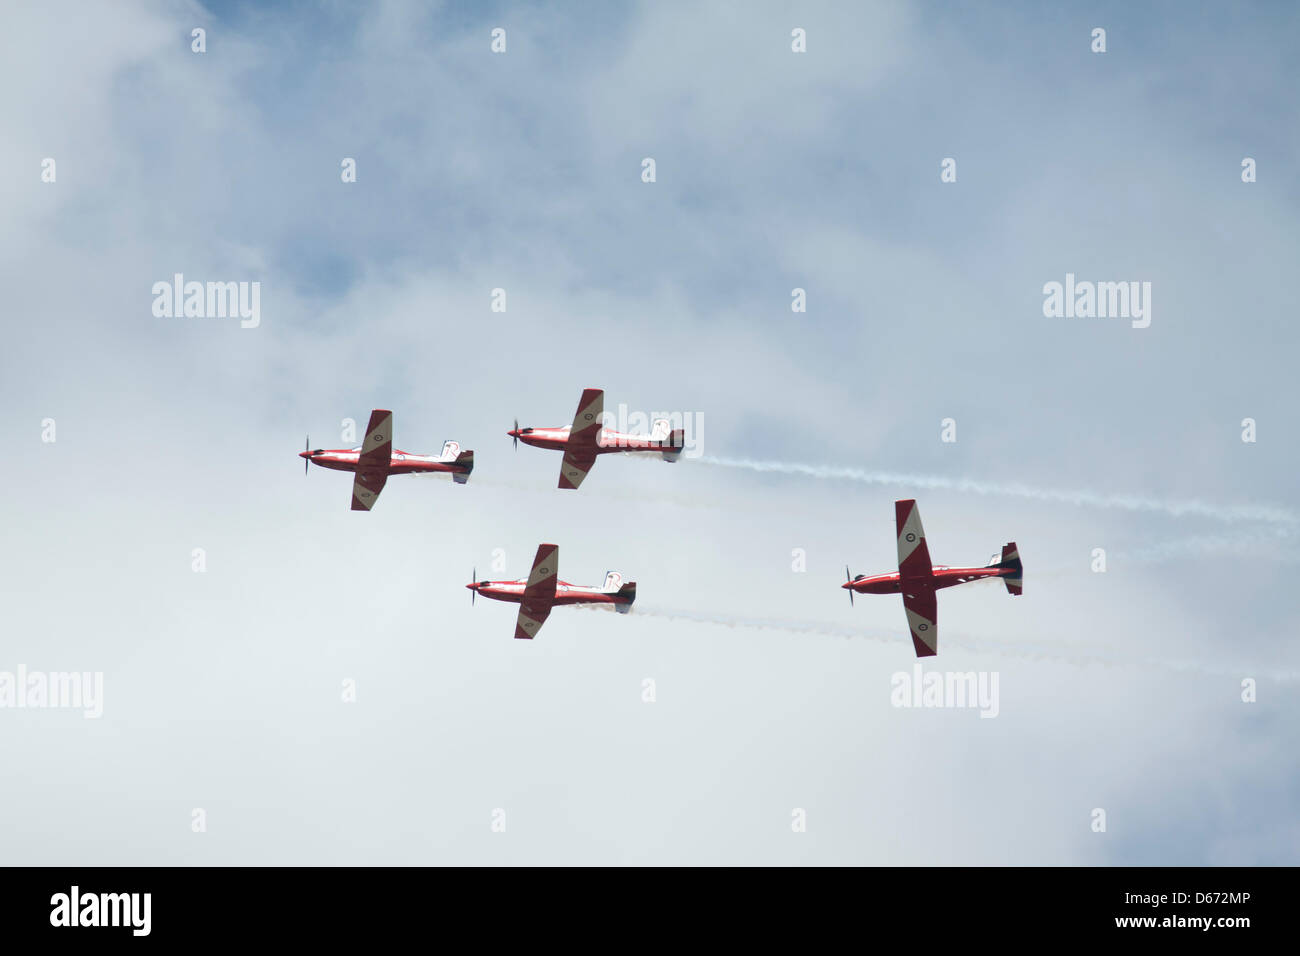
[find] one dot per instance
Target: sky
(773, 737)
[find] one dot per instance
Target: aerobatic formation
(916, 579)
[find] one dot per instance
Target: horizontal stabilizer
(628, 591)
(466, 460)
(1011, 559)
(674, 444)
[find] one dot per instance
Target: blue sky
(774, 171)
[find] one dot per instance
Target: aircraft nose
(513, 433)
(847, 585)
(472, 587)
(304, 454)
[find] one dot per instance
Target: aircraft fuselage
(941, 577)
(400, 463)
(565, 593)
(608, 441)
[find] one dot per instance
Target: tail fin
(1011, 559)
(628, 591)
(674, 443)
(466, 460)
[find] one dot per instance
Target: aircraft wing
(530, 620)
(366, 488)
(575, 466)
(377, 449)
(539, 594)
(913, 555)
(580, 449)
(922, 617)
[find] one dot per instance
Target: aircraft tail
(466, 460)
(628, 591)
(1011, 559)
(674, 444)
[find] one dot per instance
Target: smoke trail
(1263, 543)
(1086, 499)
(1075, 654)
(1268, 544)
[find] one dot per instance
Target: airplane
(917, 580)
(375, 459)
(544, 590)
(585, 439)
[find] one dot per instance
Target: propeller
(306, 461)
(473, 592)
(516, 435)
(849, 577)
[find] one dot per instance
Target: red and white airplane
(544, 590)
(375, 459)
(918, 580)
(582, 441)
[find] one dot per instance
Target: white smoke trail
(1086, 499)
(1269, 544)
(1266, 542)
(1075, 654)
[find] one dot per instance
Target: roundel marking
(587, 417)
(544, 570)
(910, 536)
(923, 627)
